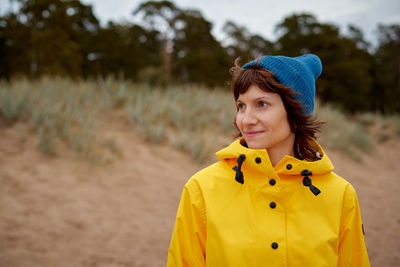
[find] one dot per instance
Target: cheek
(284, 124)
(238, 122)
(279, 122)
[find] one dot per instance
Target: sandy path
(63, 212)
(60, 211)
(377, 181)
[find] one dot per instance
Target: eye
(240, 106)
(262, 104)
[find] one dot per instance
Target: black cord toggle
(239, 174)
(307, 182)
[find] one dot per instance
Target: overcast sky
(261, 16)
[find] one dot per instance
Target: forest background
(175, 45)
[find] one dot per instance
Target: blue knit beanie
(299, 73)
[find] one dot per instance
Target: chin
(255, 145)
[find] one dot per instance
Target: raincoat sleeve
(187, 247)
(352, 250)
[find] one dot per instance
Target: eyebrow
(258, 98)
(262, 97)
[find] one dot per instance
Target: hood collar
(235, 149)
(252, 161)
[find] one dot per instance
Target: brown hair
(304, 126)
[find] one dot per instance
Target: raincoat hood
(234, 150)
(257, 160)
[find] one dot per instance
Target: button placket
(272, 205)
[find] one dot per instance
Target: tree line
(175, 45)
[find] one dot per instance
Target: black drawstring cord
(307, 182)
(239, 173)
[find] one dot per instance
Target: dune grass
(344, 133)
(192, 118)
(58, 110)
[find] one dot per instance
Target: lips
(251, 134)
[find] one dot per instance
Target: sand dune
(62, 211)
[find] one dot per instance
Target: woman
(272, 199)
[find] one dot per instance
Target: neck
(276, 153)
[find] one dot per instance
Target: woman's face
(262, 120)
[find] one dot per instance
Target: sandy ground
(62, 211)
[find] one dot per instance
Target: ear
(293, 125)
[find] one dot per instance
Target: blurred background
(108, 107)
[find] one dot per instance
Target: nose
(249, 117)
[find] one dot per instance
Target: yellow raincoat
(248, 213)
